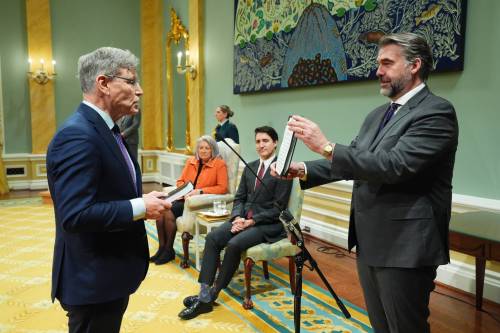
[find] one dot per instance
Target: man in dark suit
(254, 220)
(100, 252)
(402, 167)
(129, 128)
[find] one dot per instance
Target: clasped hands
(240, 224)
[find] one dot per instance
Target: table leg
(480, 270)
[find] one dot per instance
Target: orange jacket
(212, 179)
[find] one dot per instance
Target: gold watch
(327, 150)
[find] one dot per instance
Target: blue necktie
(123, 149)
(388, 114)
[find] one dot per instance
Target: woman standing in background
(225, 129)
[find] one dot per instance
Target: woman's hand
(193, 192)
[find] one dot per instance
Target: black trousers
(96, 318)
(235, 244)
(397, 299)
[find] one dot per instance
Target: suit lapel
(402, 112)
(107, 136)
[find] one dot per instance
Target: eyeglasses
(132, 82)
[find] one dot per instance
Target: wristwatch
(327, 150)
(201, 191)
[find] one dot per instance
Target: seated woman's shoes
(164, 257)
(195, 310)
(156, 255)
(189, 301)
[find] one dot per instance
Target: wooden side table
(209, 223)
(476, 234)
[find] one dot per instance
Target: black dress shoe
(195, 310)
(156, 255)
(189, 301)
(165, 256)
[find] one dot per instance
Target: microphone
(285, 216)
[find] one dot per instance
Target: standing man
(100, 252)
(129, 128)
(254, 220)
(402, 166)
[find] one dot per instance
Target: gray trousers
(397, 299)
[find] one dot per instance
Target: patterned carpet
(26, 244)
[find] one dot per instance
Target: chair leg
(186, 237)
(247, 303)
(265, 269)
(291, 273)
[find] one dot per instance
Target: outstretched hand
(308, 132)
(296, 170)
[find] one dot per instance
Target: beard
(396, 85)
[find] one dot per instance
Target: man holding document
(101, 249)
(402, 166)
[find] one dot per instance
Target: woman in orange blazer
(208, 173)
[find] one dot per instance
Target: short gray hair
(104, 60)
(414, 46)
(211, 142)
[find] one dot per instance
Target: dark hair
(227, 110)
(269, 131)
(414, 46)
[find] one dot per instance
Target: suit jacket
(212, 178)
(261, 201)
(100, 253)
(401, 200)
(129, 126)
(227, 130)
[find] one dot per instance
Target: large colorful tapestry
(281, 44)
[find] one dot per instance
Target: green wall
(340, 109)
(14, 62)
(78, 27)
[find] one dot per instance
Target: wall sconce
(188, 67)
(40, 75)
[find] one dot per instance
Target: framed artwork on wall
(281, 44)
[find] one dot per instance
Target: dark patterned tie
(123, 149)
(260, 174)
(388, 114)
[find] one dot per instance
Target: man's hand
(155, 206)
(308, 132)
(296, 169)
(240, 224)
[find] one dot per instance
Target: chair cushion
(270, 251)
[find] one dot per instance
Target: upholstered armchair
(283, 248)
(195, 204)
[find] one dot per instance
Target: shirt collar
(106, 117)
(225, 121)
(267, 162)
(406, 97)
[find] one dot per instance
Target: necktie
(123, 149)
(388, 114)
(260, 174)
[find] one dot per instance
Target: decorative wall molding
(165, 167)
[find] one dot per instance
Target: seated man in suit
(254, 220)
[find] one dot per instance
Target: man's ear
(101, 84)
(416, 66)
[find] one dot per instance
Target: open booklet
(286, 151)
(178, 193)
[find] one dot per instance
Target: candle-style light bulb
(30, 62)
(53, 66)
(179, 56)
(42, 62)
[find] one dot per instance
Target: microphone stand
(303, 256)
